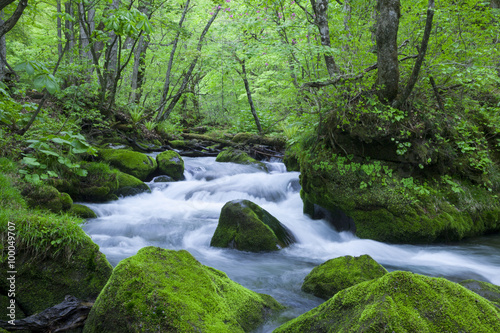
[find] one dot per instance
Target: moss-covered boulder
(47, 197)
(487, 290)
(385, 205)
(340, 273)
(400, 302)
(237, 156)
(245, 226)
(129, 185)
(54, 258)
(82, 211)
(134, 163)
(171, 164)
(161, 290)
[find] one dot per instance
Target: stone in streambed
(160, 290)
(82, 211)
(134, 163)
(487, 290)
(239, 157)
(171, 164)
(400, 302)
(334, 275)
(245, 226)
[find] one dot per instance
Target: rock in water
(160, 290)
(136, 164)
(245, 226)
(171, 164)
(329, 278)
(400, 302)
(240, 157)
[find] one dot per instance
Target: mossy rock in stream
(386, 206)
(54, 258)
(82, 211)
(245, 226)
(487, 290)
(239, 157)
(171, 164)
(400, 302)
(160, 290)
(340, 273)
(129, 185)
(134, 163)
(47, 197)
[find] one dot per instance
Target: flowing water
(184, 215)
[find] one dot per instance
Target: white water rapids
(184, 215)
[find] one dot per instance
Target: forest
(389, 109)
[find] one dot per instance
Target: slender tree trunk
(70, 32)
(249, 95)
(85, 54)
(3, 52)
(496, 5)
(388, 13)
(59, 28)
(111, 60)
(320, 8)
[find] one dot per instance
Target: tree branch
(11, 21)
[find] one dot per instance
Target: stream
(184, 215)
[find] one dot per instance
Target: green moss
(161, 290)
(178, 144)
(487, 290)
(245, 226)
(171, 164)
(385, 207)
(240, 157)
(82, 211)
(47, 197)
(129, 185)
(5, 304)
(400, 302)
(134, 163)
(340, 273)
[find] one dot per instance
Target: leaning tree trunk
(244, 76)
(388, 13)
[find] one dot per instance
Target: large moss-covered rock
(400, 302)
(129, 185)
(332, 276)
(487, 290)
(245, 226)
(48, 197)
(134, 163)
(161, 290)
(386, 206)
(171, 164)
(238, 156)
(82, 211)
(54, 258)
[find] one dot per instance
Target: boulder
(47, 197)
(160, 290)
(400, 302)
(245, 226)
(82, 211)
(54, 258)
(134, 163)
(239, 157)
(171, 164)
(129, 185)
(340, 273)
(488, 290)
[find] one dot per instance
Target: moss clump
(400, 302)
(129, 185)
(487, 290)
(388, 207)
(340, 273)
(47, 197)
(240, 157)
(134, 163)
(178, 144)
(171, 164)
(245, 226)
(82, 211)
(161, 290)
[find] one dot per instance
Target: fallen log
(69, 314)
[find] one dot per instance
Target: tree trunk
(3, 52)
(249, 96)
(111, 59)
(320, 8)
(138, 71)
(59, 28)
(69, 29)
(8, 24)
(85, 54)
(388, 13)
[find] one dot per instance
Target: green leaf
(49, 152)
(60, 141)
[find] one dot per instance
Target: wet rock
(129, 185)
(400, 302)
(337, 274)
(160, 290)
(487, 290)
(82, 211)
(171, 164)
(240, 157)
(134, 163)
(245, 226)
(48, 197)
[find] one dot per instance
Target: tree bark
(3, 52)
(244, 76)
(388, 14)
(85, 54)
(7, 25)
(320, 8)
(69, 29)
